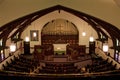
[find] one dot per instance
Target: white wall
(81, 25)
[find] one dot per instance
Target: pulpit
(38, 53)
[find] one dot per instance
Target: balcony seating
(101, 65)
(21, 64)
(56, 68)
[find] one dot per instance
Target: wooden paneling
(52, 39)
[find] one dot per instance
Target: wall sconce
(27, 39)
(105, 47)
(12, 47)
(83, 33)
(91, 39)
(1, 51)
(1, 42)
(2, 55)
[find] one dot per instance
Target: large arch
(59, 31)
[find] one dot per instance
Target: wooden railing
(7, 75)
(16, 53)
(105, 56)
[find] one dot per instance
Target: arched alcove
(59, 31)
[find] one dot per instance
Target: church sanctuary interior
(59, 39)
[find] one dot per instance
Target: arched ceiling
(23, 22)
(107, 10)
(117, 2)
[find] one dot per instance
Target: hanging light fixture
(105, 47)
(34, 33)
(27, 39)
(84, 33)
(12, 47)
(91, 39)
